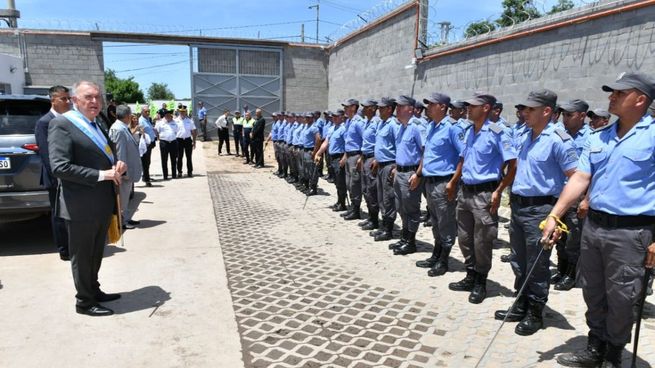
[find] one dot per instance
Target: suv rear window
(20, 116)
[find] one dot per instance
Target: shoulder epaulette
(563, 134)
(496, 128)
(601, 128)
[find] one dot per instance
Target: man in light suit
(83, 160)
(127, 150)
(60, 103)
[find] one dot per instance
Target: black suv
(21, 194)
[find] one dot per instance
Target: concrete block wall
(574, 61)
(57, 58)
(305, 78)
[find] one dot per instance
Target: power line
(151, 67)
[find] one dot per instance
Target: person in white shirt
(223, 132)
(186, 142)
(167, 129)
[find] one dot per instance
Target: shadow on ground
(144, 298)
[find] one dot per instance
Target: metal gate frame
(193, 73)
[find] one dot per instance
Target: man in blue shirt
(598, 118)
(334, 146)
(329, 125)
(272, 135)
(407, 183)
(423, 127)
(617, 169)
(146, 123)
(488, 147)
(354, 130)
(319, 121)
(311, 141)
(546, 157)
(291, 158)
(444, 142)
(298, 150)
(383, 165)
(202, 119)
(369, 182)
(573, 114)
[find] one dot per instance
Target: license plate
(5, 163)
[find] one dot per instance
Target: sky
(278, 19)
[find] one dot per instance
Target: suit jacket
(258, 129)
(76, 161)
(127, 149)
(41, 134)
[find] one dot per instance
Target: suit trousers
(185, 148)
(237, 132)
(223, 137)
(258, 148)
(145, 163)
(124, 190)
(58, 224)
(86, 243)
(168, 150)
(476, 230)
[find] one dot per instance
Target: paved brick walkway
(311, 290)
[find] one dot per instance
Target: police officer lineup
(586, 189)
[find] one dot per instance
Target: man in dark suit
(60, 102)
(258, 138)
(83, 160)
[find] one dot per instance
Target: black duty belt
(607, 220)
(386, 163)
(335, 156)
(437, 179)
(488, 186)
(308, 149)
(532, 201)
(368, 155)
(353, 153)
(299, 146)
(403, 169)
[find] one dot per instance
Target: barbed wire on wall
(364, 18)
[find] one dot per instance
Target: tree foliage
(516, 11)
(160, 91)
(561, 5)
(123, 90)
(478, 28)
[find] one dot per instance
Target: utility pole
(317, 6)
(302, 33)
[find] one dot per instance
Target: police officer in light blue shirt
(291, 157)
(546, 158)
(383, 165)
(273, 135)
(354, 130)
(298, 149)
(573, 114)
(444, 142)
(488, 147)
(146, 123)
(311, 140)
(334, 145)
(327, 129)
(407, 183)
(369, 181)
(617, 169)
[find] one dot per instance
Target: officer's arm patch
(496, 128)
(562, 134)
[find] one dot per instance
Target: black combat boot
(568, 281)
(373, 224)
(466, 284)
(613, 356)
(430, 262)
(441, 267)
(592, 356)
(365, 222)
(354, 215)
(387, 231)
(407, 248)
(403, 239)
(517, 313)
(479, 292)
(533, 321)
(340, 207)
(312, 191)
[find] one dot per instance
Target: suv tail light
(31, 146)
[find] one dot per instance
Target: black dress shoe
(148, 184)
(133, 222)
(104, 297)
(94, 310)
(64, 257)
(128, 227)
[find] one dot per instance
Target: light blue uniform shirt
(385, 140)
(288, 135)
(409, 145)
(337, 139)
(517, 131)
(309, 136)
(274, 130)
(541, 163)
(464, 123)
(327, 128)
(147, 128)
(202, 113)
(423, 126)
(445, 141)
(354, 131)
(622, 170)
(368, 138)
(320, 124)
(282, 131)
(580, 138)
(297, 135)
(485, 152)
